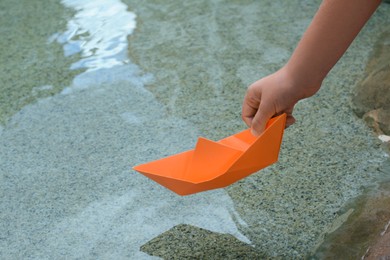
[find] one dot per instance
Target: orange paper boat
(213, 165)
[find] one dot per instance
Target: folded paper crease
(213, 165)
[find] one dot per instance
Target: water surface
(116, 83)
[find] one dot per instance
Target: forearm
(332, 30)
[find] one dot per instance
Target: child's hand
(322, 45)
(273, 95)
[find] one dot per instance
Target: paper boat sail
(213, 165)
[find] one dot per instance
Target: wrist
(304, 83)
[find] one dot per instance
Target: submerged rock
(366, 233)
(381, 250)
(190, 242)
(371, 99)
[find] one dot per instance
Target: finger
(264, 113)
(247, 114)
(249, 109)
(290, 120)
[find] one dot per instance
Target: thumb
(263, 114)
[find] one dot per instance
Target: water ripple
(98, 32)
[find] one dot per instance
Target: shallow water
(100, 87)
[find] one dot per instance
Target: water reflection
(98, 32)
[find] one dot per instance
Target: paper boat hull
(213, 165)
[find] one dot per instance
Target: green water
(69, 137)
